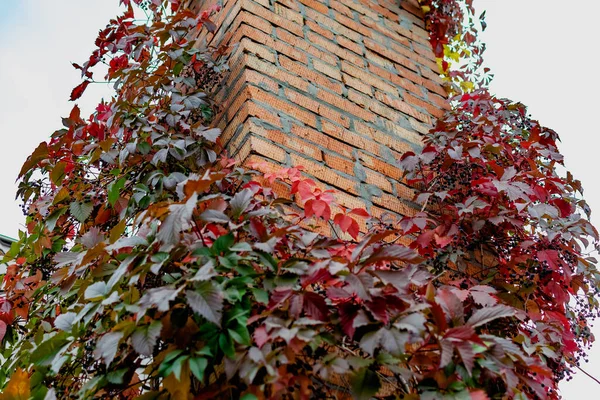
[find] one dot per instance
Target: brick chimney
(341, 87)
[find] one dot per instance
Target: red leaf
(118, 63)
(318, 208)
(260, 336)
(315, 307)
(304, 188)
(2, 330)
(479, 395)
(347, 224)
(78, 91)
(564, 206)
(488, 314)
(425, 238)
(361, 212)
(348, 313)
(279, 296)
(378, 307)
(550, 257)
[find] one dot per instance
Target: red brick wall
(341, 87)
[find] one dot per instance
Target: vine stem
(589, 375)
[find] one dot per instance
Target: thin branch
(588, 374)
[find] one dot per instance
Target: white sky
(542, 52)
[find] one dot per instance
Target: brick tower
(341, 87)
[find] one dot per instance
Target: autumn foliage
(155, 267)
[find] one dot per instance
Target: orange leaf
(18, 387)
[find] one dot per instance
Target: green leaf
(58, 172)
(365, 384)
(114, 190)
(198, 366)
(172, 364)
(53, 218)
(81, 211)
(116, 377)
(226, 344)
(177, 68)
(248, 396)
(222, 244)
(44, 354)
(261, 295)
(240, 334)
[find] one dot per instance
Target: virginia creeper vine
(154, 267)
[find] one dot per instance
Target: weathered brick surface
(342, 87)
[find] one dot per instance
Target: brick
(381, 166)
(276, 72)
(267, 149)
(302, 100)
(379, 180)
(323, 141)
(367, 78)
(315, 27)
(440, 101)
(339, 163)
(341, 8)
(374, 105)
(394, 204)
(306, 46)
(357, 84)
(386, 139)
(288, 141)
(282, 106)
(402, 106)
(345, 105)
(270, 16)
(292, 15)
(325, 174)
(350, 45)
(362, 9)
(313, 76)
(415, 101)
(334, 116)
(356, 140)
(291, 4)
(270, 42)
(335, 26)
(315, 5)
(261, 51)
(328, 84)
(331, 71)
(334, 48)
(390, 54)
(350, 23)
(373, 57)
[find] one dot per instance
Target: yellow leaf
(18, 387)
(467, 86)
(425, 9)
(179, 389)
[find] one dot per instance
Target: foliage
(454, 39)
(153, 267)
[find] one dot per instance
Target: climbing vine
(155, 267)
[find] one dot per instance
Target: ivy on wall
(155, 267)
